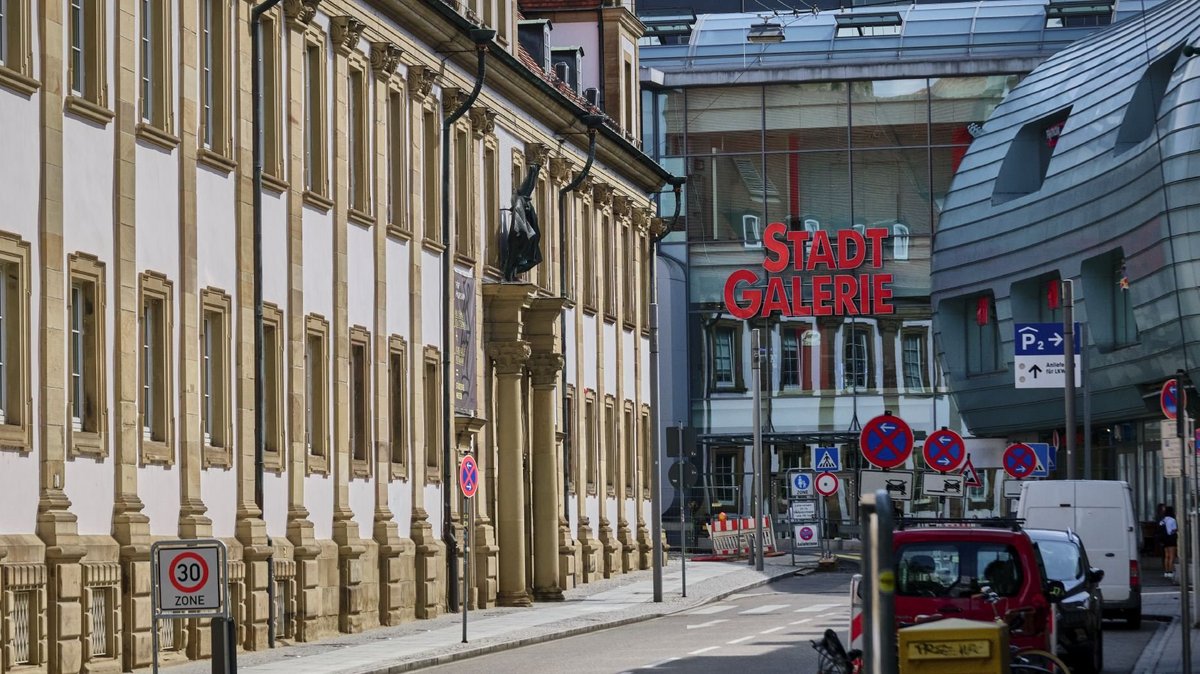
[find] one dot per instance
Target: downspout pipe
(260, 430)
(481, 37)
(656, 541)
(593, 122)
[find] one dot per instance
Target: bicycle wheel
(1018, 668)
(1044, 660)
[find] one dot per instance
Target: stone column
(345, 34)
(547, 491)
(510, 358)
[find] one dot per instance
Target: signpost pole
(154, 608)
(1087, 400)
(1068, 295)
(757, 510)
(466, 597)
(1185, 594)
(682, 533)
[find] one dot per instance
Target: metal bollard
(224, 646)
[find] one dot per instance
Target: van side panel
(1103, 534)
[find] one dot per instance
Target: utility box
(954, 646)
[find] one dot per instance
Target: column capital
(300, 13)
(483, 120)
(537, 153)
(602, 194)
(622, 207)
(385, 56)
(420, 81)
(546, 368)
(510, 357)
(452, 98)
(347, 30)
(561, 169)
(889, 324)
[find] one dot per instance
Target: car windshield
(1061, 560)
(957, 569)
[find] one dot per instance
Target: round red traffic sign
(1019, 460)
(827, 484)
(886, 441)
(1171, 399)
(944, 450)
(188, 572)
(806, 533)
(468, 476)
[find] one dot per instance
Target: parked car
(941, 571)
(1101, 513)
(1078, 614)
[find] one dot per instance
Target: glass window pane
(724, 120)
(816, 186)
(723, 189)
(889, 113)
(811, 116)
(957, 103)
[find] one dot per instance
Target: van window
(958, 569)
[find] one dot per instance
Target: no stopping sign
(189, 579)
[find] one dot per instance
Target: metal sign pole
(682, 534)
(154, 608)
(1185, 594)
(466, 597)
(1068, 303)
(757, 510)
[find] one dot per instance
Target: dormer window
(881, 24)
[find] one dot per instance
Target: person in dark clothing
(1170, 532)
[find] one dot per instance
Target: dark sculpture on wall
(523, 244)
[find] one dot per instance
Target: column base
(397, 561)
(567, 552)
(520, 598)
(430, 556)
(610, 550)
(628, 551)
(548, 594)
(588, 551)
(645, 547)
(485, 563)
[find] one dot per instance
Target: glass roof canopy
(974, 30)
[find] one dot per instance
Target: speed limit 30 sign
(189, 577)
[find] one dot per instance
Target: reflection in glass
(889, 113)
(724, 120)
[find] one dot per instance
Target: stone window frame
(86, 56)
(871, 377)
(570, 439)
(431, 132)
(608, 253)
(359, 177)
(629, 279)
(593, 441)
(359, 401)
(215, 135)
(156, 436)
(921, 332)
(399, 407)
(275, 409)
(316, 328)
(645, 292)
(274, 176)
(315, 124)
(31, 579)
(631, 456)
(217, 301)
(83, 268)
(16, 55)
(489, 185)
(15, 271)
(101, 577)
(156, 73)
(611, 436)
(738, 385)
(590, 296)
(544, 273)
(570, 248)
(432, 360)
(465, 205)
(399, 197)
(647, 457)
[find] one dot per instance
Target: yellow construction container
(954, 646)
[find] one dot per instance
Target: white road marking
(709, 610)
(704, 650)
(773, 629)
(658, 664)
(816, 607)
(800, 622)
(766, 608)
(738, 641)
(710, 623)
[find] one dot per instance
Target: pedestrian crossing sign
(827, 460)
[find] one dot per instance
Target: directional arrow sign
(1038, 356)
(944, 450)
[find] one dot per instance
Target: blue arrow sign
(1042, 339)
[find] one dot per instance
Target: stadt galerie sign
(833, 293)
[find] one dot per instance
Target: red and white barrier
(736, 536)
(856, 611)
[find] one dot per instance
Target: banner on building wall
(464, 345)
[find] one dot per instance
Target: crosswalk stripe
(740, 640)
(707, 624)
(766, 608)
(711, 609)
(817, 607)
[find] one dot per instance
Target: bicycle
(832, 657)
(1027, 660)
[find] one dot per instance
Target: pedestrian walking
(1169, 529)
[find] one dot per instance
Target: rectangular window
(593, 441)
(647, 451)
(85, 64)
(1124, 328)
(610, 279)
(491, 203)
(154, 64)
(316, 393)
(272, 97)
(630, 454)
(214, 77)
(360, 141)
(916, 372)
(588, 254)
(360, 401)
(464, 184)
(789, 362)
(431, 171)
(397, 147)
(433, 414)
(273, 365)
(14, 41)
(856, 359)
(726, 476)
(314, 118)
(982, 335)
(15, 400)
(629, 282)
(726, 371)
(85, 309)
(156, 403)
(215, 388)
(398, 405)
(647, 252)
(570, 442)
(612, 466)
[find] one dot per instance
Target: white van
(1101, 513)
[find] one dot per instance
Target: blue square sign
(827, 460)
(1042, 451)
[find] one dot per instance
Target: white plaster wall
(398, 318)
(275, 263)
(318, 499)
(582, 34)
(275, 491)
(610, 358)
(610, 509)
(569, 351)
(431, 299)
(317, 242)
(589, 354)
(629, 341)
(644, 358)
(592, 504)
(400, 503)
(573, 514)
(218, 488)
(362, 502)
(433, 505)
(360, 276)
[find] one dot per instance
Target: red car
(940, 571)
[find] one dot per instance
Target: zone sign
(189, 580)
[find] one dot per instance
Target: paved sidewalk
(1160, 600)
(598, 605)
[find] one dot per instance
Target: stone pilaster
(510, 358)
(547, 490)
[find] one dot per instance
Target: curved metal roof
(973, 30)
